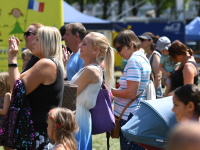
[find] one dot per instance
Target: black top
(177, 77)
(30, 63)
(44, 98)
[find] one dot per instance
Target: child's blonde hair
(66, 126)
(26, 53)
(4, 83)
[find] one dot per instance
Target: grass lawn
(100, 142)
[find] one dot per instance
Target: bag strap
(150, 63)
(129, 105)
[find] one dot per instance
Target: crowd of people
(87, 60)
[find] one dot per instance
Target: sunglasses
(119, 48)
(28, 33)
(142, 40)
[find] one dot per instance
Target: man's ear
(77, 35)
(190, 106)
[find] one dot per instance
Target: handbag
(69, 96)
(150, 90)
(17, 128)
(116, 132)
(102, 114)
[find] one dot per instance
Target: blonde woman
(44, 81)
(93, 50)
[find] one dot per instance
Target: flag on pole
(35, 5)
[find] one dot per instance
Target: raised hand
(13, 44)
(66, 55)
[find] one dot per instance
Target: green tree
(198, 6)
(162, 5)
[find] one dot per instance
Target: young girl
(61, 126)
(186, 101)
(5, 97)
(5, 94)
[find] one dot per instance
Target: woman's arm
(6, 104)
(90, 75)
(189, 72)
(43, 72)
(12, 59)
(129, 93)
(157, 72)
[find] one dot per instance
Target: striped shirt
(136, 69)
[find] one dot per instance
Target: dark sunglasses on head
(28, 33)
(119, 48)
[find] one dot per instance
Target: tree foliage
(160, 5)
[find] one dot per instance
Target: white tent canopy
(73, 15)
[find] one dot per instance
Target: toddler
(26, 56)
(167, 65)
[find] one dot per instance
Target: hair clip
(58, 125)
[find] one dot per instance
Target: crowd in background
(87, 60)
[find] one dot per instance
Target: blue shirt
(168, 64)
(74, 64)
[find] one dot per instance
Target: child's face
(50, 128)
(181, 110)
(164, 52)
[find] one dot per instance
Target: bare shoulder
(44, 62)
(44, 66)
(93, 70)
(188, 65)
(189, 68)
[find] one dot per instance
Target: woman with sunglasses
(133, 81)
(29, 36)
(43, 82)
(148, 41)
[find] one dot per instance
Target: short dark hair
(77, 28)
(127, 38)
